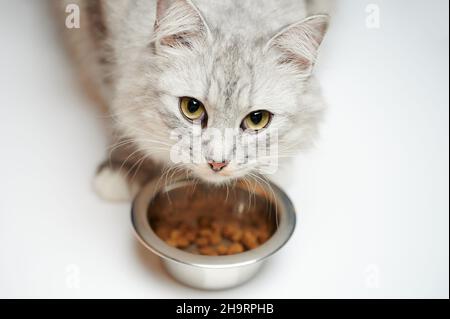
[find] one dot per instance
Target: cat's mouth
(209, 175)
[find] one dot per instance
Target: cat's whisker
(158, 183)
(247, 185)
(114, 148)
(118, 145)
(228, 190)
(138, 164)
(263, 179)
(133, 131)
(126, 142)
(175, 172)
(153, 141)
(128, 158)
(163, 176)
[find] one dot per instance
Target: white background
(372, 198)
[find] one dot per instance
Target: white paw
(112, 185)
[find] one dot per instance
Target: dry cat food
(208, 228)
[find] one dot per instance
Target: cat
(191, 66)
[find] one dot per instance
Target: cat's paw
(112, 185)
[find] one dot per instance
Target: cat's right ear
(179, 24)
(299, 43)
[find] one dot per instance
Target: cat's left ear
(179, 24)
(300, 42)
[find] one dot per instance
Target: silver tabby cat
(173, 71)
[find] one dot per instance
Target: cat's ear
(299, 43)
(179, 24)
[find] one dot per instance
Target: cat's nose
(217, 166)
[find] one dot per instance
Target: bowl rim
(147, 237)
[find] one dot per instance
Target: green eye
(257, 121)
(192, 109)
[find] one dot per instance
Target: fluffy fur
(235, 56)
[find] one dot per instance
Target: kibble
(236, 236)
(210, 230)
(175, 234)
(215, 239)
(205, 232)
(222, 249)
(202, 241)
(249, 240)
(190, 235)
(235, 248)
(208, 251)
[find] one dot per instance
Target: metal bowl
(213, 272)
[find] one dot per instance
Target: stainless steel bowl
(213, 272)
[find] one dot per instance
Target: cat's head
(213, 95)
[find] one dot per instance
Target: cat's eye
(192, 109)
(257, 121)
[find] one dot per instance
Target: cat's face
(221, 107)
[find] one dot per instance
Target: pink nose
(217, 166)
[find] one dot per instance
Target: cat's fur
(138, 57)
